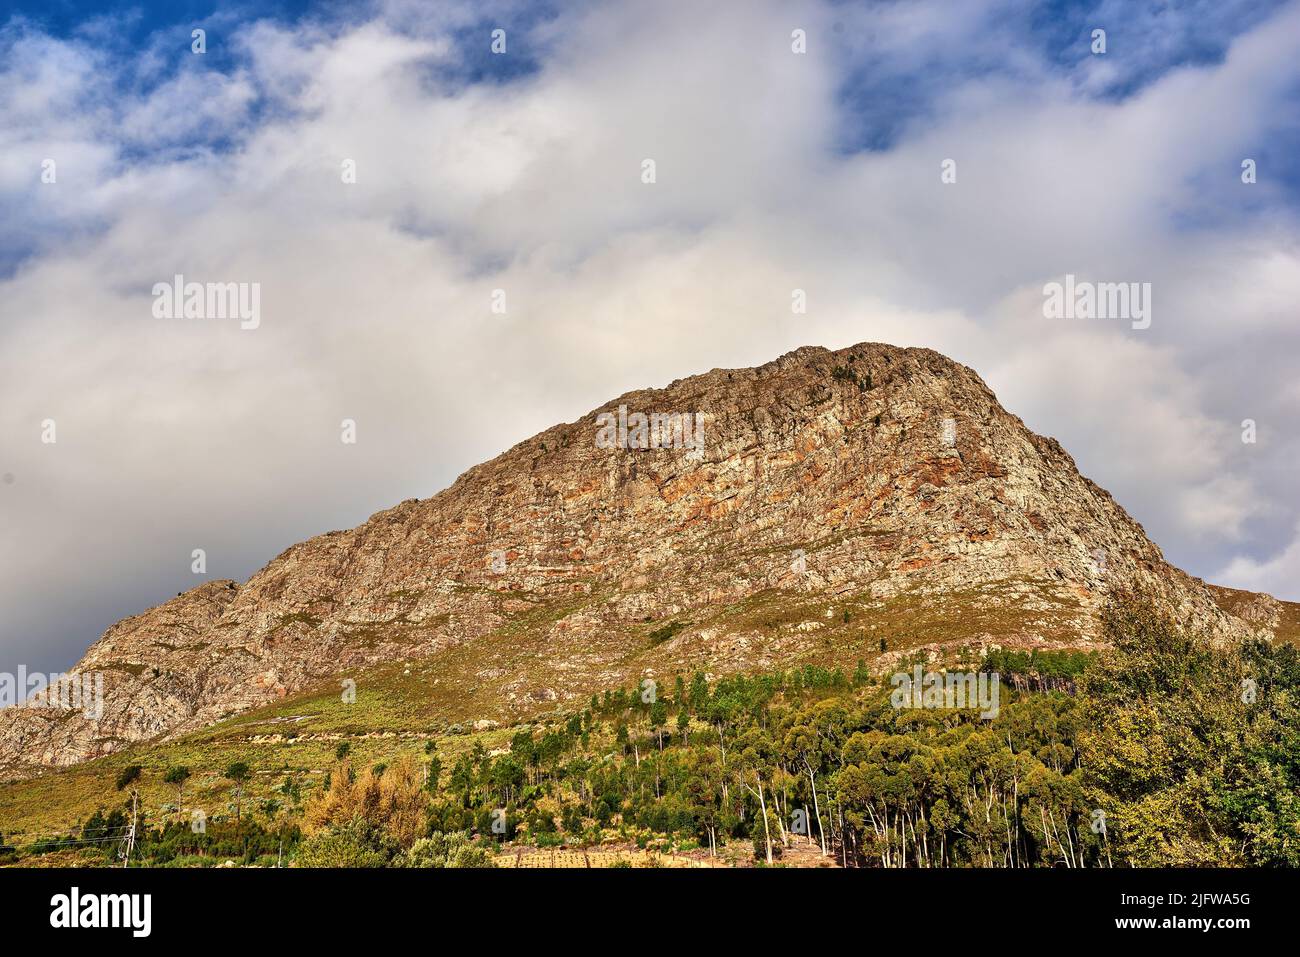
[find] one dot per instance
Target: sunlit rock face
(870, 503)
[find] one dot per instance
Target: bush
(447, 850)
(357, 843)
(660, 635)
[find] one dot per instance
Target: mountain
(873, 503)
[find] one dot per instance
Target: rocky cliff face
(872, 503)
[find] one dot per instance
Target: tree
(702, 791)
(129, 776)
(699, 694)
(462, 779)
(507, 777)
(178, 776)
(392, 801)
(751, 758)
(239, 772)
(658, 717)
(801, 742)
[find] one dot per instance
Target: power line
(116, 828)
(68, 842)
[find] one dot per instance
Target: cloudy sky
(522, 171)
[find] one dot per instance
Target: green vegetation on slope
(1165, 751)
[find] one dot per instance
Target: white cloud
(1277, 576)
(175, 435)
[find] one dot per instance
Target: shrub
(455, 849)
(660, 635)
(357, 843)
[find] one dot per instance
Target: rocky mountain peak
(870, 503)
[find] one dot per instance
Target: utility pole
(130, 834)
